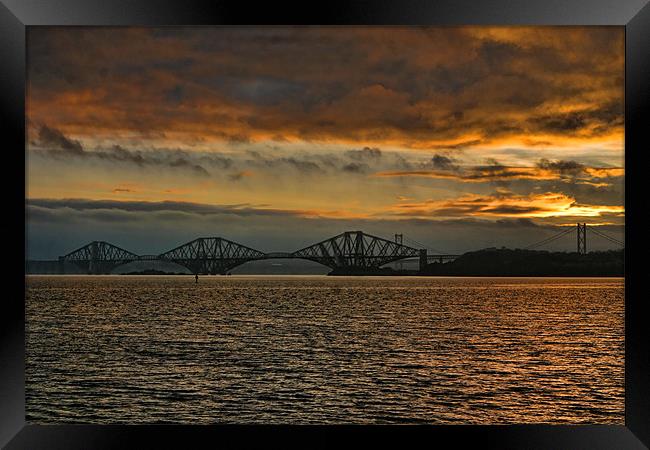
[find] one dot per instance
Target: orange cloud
(505, 205)
(275, 107)
(494, 85)
(479, 175)
(605, 172)
(546, 170)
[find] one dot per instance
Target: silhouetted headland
(503, 262)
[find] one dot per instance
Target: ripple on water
(138, 349)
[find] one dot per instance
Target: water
(313, 349)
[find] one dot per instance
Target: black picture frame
(16, 15)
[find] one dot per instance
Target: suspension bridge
(349, 252)
(581, 238)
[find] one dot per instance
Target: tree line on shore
(509, 262)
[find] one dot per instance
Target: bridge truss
(348, 252)
(211, 255)
(99, 257)
(356, 250)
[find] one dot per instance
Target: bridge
(348, 252)
(352, 252)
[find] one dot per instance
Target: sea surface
(317, 349)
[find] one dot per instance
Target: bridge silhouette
(349, 252)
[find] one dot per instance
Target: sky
(278, 137)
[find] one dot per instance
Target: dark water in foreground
(310, 349)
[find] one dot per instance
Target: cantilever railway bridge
(349, 252)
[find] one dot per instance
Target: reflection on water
(310, 349)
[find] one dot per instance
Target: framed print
(253, 226)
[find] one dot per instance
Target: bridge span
(348, 252)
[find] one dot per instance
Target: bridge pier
(92, 264)
(423, 259)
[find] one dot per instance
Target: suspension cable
(605, 236)
(544, 241)
(549, 239)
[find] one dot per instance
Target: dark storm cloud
(213, 159)
(42, 209)
(185, 163)
(560, 122)
(305, 162)
(131, 206)
(182, 208)
(417, 87)
(495, 171)
(301, 165)
(591, 185)
(54, 143)
(604, 119)
(263, 91)
(372, 153)
(563, 167)
(442, 162)
(175, 94)
(459, 145)
(499, 54)
(356, 168)
(53, 138)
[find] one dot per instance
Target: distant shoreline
(490, 262)
(240, 275)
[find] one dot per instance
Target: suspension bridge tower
(582, 238)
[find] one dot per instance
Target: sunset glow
(299, 130)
